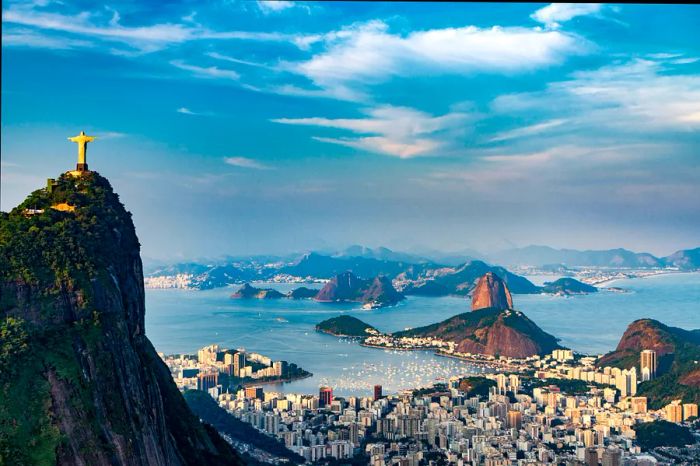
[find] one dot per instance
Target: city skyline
(283, 127)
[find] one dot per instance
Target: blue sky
(251, 127)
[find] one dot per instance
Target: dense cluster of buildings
(522, 420)
(203, 371)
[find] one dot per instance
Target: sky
(271, 127)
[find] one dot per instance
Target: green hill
(490, 331)
(80, 383)
(567, 286)
(346, 326)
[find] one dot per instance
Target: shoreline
(604, 283)
(440, 353)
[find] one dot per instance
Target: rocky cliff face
(640, 335)
(381, 291)
(491, 331)
(491, 292)
(80, 382)
(347, 287)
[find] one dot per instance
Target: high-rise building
(325, 396)
(563, 355)
(377, 392)
(515, 419)
(674, 412)
(588, 437)
(354, 434)
(207, 380)
(501, 383)
(207, 355)
(626, 382)
(612, 456)
(254, 393)
(690, 410)
(591, 456)
(638, 404)
(237, 360)
(514, 382)
(648, 364)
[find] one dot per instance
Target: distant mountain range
(413, 274)
(540, 256)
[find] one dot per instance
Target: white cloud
(398, 131)
(274, 6)
(245, 162)
(369, 53)
(206, 72)
(556, 13)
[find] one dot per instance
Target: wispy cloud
(187, 111)
(526, 131)
(207, 72)
(222, 57)
(566, 166)
(398, 131)
(629, 97)
(58, 30)
(30, 38)
(556, 13)
(110, 135)
(146, 38)
(245, 162)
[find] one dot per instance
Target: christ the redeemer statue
(82, 139)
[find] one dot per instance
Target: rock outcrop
(491, 292)
(80, 382)
(348, 287)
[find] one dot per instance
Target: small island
(346, 326)
(250, 292)
(303, 293)
(567, 286)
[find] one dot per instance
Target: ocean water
(180, 321)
